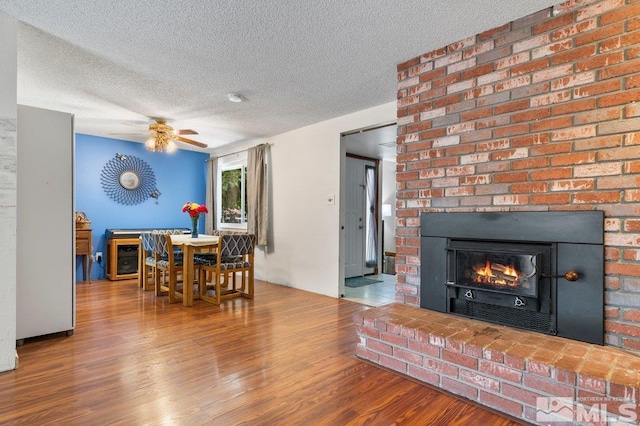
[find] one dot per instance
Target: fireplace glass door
(517, 269)
(501, 271)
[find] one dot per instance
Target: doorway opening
(368, 208)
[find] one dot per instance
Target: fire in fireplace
(503, 275)
(502, 268)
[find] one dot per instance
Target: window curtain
(257, 193)
(210, 200)
(371, 239)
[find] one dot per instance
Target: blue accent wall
(180, 177)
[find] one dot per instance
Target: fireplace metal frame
(577, 238)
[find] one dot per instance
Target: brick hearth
(497, 366)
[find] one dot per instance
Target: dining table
(189, 245)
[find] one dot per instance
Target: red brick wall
(542, 113)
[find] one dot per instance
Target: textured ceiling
(296, 62)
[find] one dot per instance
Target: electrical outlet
(99, 257)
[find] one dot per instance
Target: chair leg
(146, 272)
(219, 282)
(143, 275)
(173, 278)
(250, 284)
(206, 283)
(202, 283)
(142, 268)
(218, 288)
(242, 282)
(210, 279)
(150, 276)
(157, 283)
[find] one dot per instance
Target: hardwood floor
(283, 358)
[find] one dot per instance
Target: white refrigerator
(45, 274)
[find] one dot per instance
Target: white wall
(8, 191)
(305, 248)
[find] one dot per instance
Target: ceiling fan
(162, 137)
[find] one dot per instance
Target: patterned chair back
(211, 258)
(159, 237)
(147, 241)
(237, 245)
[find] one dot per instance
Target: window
(232, 194)
(234, 197)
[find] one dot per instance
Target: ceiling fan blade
(191, 142)
(127, 134)
(186, 132)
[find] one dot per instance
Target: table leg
(187, 278)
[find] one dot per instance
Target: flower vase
(194, 227)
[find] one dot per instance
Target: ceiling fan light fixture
(163, 138)
(234, 97)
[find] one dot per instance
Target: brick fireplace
(540, 114)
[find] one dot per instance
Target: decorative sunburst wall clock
(128, 180)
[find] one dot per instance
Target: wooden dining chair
(147, 268)
(175, 264)
(164, 266)
(234, 256)
(210, 257)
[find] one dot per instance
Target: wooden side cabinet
(83, 248)
(122, 258)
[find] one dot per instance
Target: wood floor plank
(286, 357)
